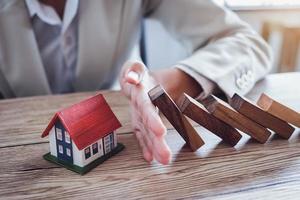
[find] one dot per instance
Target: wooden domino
(166, 105)
(197, 112)
(224, 112)
(261, 117)
(277, 109)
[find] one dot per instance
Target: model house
(83, 135)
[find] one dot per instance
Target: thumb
(133, 77)
(135, 72)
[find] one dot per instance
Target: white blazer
(223, 48)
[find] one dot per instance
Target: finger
(151, 118)
(135, 72)
(133, 77)
(149, 142)
(147, 139)
(160, 149)
(144, 133)
(157, 145)
(125, 68)
(146, 153)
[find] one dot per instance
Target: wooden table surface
(216, 171)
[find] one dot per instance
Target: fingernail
(133, 75)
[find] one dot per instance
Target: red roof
(87, 121)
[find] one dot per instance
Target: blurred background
(278, 21)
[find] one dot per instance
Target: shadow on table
(219, 169)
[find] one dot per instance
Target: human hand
(136, 81)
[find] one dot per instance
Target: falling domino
(166, 105)
(224, 112)
(262, 117)
(197, 112)
(277, 109)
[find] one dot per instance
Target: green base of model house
(87, 168)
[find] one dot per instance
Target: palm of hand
(136, 82)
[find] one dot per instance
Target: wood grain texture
(167, 106)
(197, 112)
(216, 171)
(245, 107)
(279, 110)
(224, 112)
(255, 170)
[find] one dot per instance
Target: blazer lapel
(99, 27)
(22, 65)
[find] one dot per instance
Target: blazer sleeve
(223, 48)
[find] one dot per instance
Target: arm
(224, 50)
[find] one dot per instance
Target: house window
(87, 152)
(60, 149)
(112, 140)
(58, 134)
(107, 140)
(107, 148)
(95, 148)
(107, 144)
(68, 152)
(67, 137)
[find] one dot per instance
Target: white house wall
(52, 142)
(115, 140)
(79, 156)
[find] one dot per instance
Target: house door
(63, 144)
